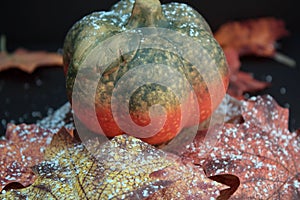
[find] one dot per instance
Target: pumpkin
(134, 108)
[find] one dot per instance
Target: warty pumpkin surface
(89, 34)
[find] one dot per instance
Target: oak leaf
(261, 152)
(21, 148)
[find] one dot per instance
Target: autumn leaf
(25, 60)
(71, 172)
(188, 182)
(256, 157)
(28, 61)
(22, 148)
(240, 82)
(261, 152)
(250, 37)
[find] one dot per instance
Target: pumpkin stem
(2, 43)
(146, 13)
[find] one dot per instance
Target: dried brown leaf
(252, 36)
(261, 152)
(249, 37)
(22, 148)
(188, 182)
(28, 61)
(240, 82)
(121, 171)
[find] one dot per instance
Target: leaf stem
(279, 57)
(3, 43)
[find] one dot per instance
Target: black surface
(285, 80)
(30, 97)
(32, 21)
(43, 25)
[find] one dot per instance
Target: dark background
(42, 25)
(46, 22)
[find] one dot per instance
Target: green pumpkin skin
(90, 31)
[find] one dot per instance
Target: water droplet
(6, 114)
(269, 78)
(7, 100)
(246, 95)
(20, 120)
(36, 114)
(26, 86)
(38, 82)
(287, 105)
(283, 90)
(3, 122)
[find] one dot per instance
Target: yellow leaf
(117, 169)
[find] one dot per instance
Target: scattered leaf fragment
(28, 61)
(22, 148)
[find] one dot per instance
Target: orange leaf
(242, 82)
(28, 61)
(252, 36)
(116, 169)
(22, 148)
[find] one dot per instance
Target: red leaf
(188, 182)
(22, 148)
(248, 37)
(241, 82)
(261, 152)
(252, 36)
